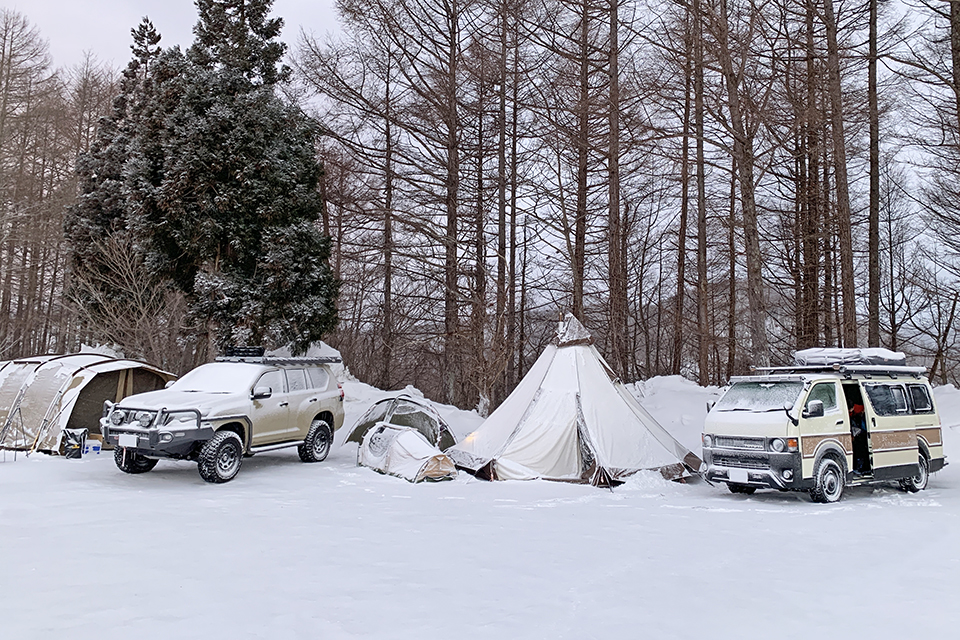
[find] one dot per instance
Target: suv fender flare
(241, 425)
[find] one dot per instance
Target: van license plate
(734, 475)
(127, 440)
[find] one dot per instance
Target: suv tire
(828, 480)
(130, 462)
(220, 457)
(919, 481)
(316, 445)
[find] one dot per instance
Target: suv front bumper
(157, 442)
(754, 468)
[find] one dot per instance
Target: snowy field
(330, 550)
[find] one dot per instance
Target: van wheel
(919, 481)
(740, 488)
(316, 445)
(828, 479)
(220, 457)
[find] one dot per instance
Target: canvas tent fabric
(403, 452)
(43, 395)
(405, 411)
(571, 418)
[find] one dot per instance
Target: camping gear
(405, 411)
(73, 442)
(405, 453)
(43, 395)
(828, 356)
(571, 419)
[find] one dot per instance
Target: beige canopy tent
(43, 395)
(571, 419)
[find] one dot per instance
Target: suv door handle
(282, 404)
(313, 399)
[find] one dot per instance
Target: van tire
(829, 478)
(741, 488)
(918, 482)
(220, 457)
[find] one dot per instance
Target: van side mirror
(260, 393)
(814, 409)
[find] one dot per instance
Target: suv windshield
(219, 377)
(760, 396)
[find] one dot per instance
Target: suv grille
(733, 442)
(740, 463)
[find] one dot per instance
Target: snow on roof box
(822, 356)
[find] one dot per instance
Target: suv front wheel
(220, 457)
(130, 462)
(316, 445)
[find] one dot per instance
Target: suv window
(825, 392)
(296, 380)
(272, 379)
(921, 398)
(318, 377)
(887, 400)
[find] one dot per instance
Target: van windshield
(760, 396)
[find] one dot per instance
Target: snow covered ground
(290, 550)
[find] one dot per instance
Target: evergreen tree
(219, 181)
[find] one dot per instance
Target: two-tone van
(822, 428)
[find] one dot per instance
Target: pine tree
(219, 181)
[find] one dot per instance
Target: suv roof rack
(282, 361)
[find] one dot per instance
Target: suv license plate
(127, 440)
(734, 475)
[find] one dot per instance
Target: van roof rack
(847, 370)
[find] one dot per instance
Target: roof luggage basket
(255, 355)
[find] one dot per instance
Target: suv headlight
(144, 418)
(116, 417)
(707, 441)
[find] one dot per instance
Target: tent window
(410, 415)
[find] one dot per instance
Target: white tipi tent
(570, 418)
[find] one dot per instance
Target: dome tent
(571, 419)
(43, 395)
(404, 437)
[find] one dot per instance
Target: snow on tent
(571, 418)
(405, 438)
(43, 395)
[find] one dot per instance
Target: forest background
(707, 184)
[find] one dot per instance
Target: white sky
(103, 26)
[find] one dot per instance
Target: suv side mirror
(260, 393)
(814, 409)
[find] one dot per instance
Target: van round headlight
(777, 445)
(707, 441)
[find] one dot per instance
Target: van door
(893, 434)
(831, 426)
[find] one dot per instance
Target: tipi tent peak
(571, 419)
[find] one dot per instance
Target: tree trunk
(618, 293)
(583, 112)
(873, 251)
(684, 209)
(844, 232)
(703, 328)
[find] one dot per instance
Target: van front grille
(734, 442)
